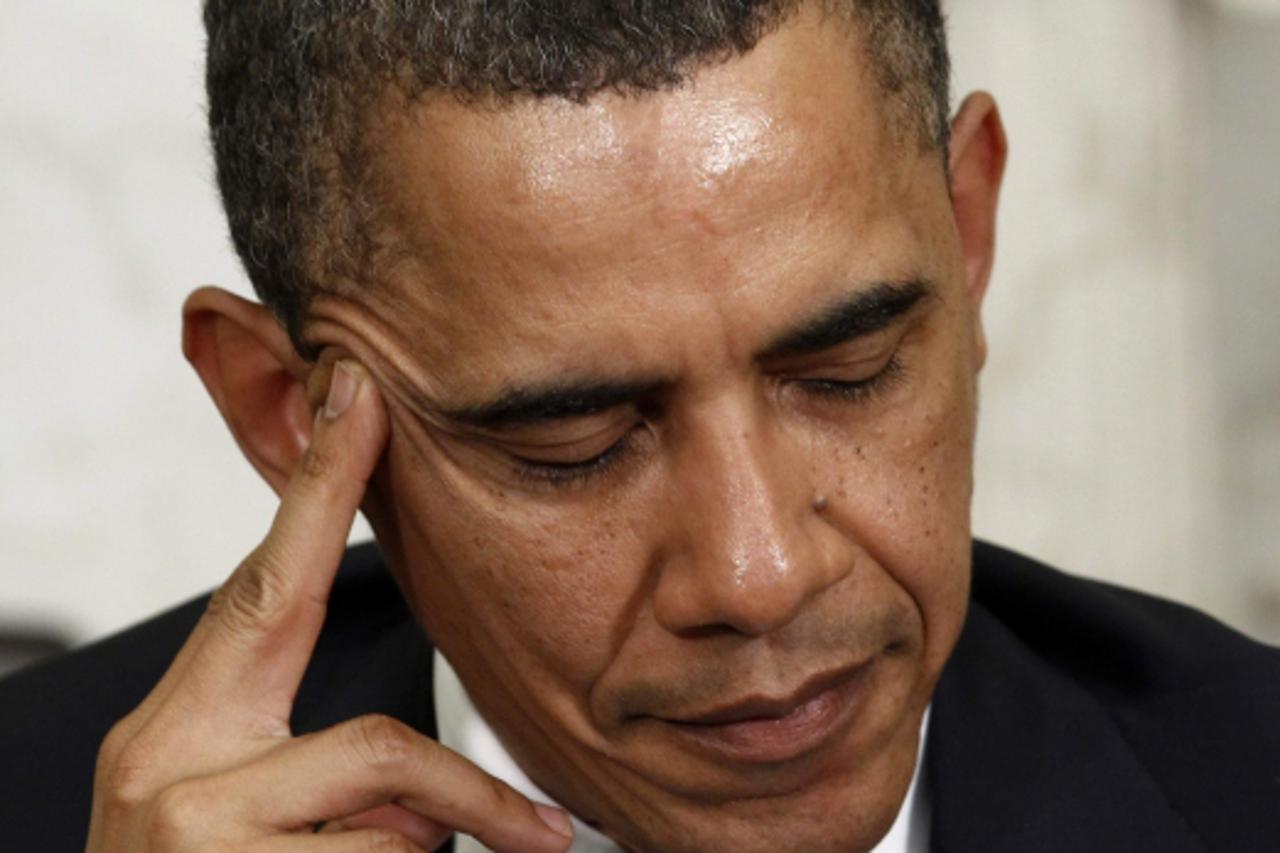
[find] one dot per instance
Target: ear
(979, 150)
(257, 380)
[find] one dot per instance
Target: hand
(207, 761)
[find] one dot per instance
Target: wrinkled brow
(523, 406)
(862, 313)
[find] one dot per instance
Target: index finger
(256, 638)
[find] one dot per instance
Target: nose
(752, 544)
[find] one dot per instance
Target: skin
(759, 525)
(690, 230)
(208, 762)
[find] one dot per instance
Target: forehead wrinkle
(551, 346)
(415, 362)
(606, 173)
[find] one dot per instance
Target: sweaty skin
(745, 527)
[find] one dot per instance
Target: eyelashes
(581, 472)
(859, 390)
(565, 474)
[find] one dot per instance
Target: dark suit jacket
(1074, 716)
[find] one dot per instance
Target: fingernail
(556, 819)
(342, 390)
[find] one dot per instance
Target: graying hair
(291, 84)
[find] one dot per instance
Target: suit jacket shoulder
(371, 657)
(1078, 715)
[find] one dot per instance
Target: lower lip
(777, 739)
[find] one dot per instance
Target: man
(647, 337)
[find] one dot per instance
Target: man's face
(682, 389)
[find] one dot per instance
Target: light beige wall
(1112, 442)
(1241, 292)
(120, 491)
(1115, 433)
(1090, 446)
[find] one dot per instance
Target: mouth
(771, 730)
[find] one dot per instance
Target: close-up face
(682, 389)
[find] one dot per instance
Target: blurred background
(1131, 407)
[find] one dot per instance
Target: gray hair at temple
(292, 83)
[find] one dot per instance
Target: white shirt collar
(461, 728)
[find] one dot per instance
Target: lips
(761, 729)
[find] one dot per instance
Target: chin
(845, 817)
(843, 795)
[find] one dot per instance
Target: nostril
(702, 632)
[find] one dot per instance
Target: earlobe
(257, 380)
(979, 151)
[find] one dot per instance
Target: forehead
(510, 214)
(752, 116)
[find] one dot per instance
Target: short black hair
(291, 84)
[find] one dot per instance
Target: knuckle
(504, 796)
(386, 841)
(176, 812)
(381, 742)
(124, 776)
(115, 743)
(317, 464)
(125, 790)
(256, 595)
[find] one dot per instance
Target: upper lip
(767, 708)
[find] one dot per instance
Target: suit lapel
(1020, 758)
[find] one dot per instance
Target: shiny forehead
(535, 234)
(749, 117)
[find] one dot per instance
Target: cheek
(901, 489)
(527, 590)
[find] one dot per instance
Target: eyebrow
(523, 406)
(860, 314)
(863, 313)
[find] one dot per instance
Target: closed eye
(565, 472)
(855, 390)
